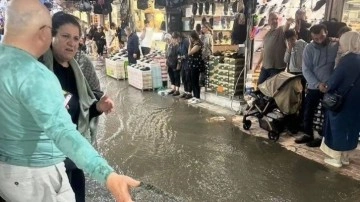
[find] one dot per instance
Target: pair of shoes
(333, 162)
(183, 95)
(188, 96)
(304, 139)
(176, 93)
(315, 143)
(194, 101)
(171, 92)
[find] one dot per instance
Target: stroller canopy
(285, 89)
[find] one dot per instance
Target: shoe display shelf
(224, 76)
(220, 15)
(162, 61)
(140, 79)
(116, 68)
(318, 119)
(156, 74)
(157, 56)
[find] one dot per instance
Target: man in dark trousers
(132, 46)
(317, 67)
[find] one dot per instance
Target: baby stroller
(278, 98)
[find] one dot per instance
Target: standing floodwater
(165, 142)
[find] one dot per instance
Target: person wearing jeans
(196, 64)
(317, 67)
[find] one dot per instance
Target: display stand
(116, 68)
(139, 79)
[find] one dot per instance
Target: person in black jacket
(173, 64)
(302, 26)
(99, 38)
(132, 46)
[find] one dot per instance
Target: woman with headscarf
(83, 106)
(341, 128)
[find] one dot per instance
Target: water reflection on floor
(165, 142)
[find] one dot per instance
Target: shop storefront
(231, 69)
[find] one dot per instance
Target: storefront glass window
(351, 14)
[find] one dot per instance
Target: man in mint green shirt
(36, 130)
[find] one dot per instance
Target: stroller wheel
(247, 124)
(273, 136)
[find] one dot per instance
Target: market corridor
(166, 142)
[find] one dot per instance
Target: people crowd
(327, 65)
(187, 60)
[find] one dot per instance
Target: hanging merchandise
(160, 4)
(213, 8)
(203, 21)
(211, 21)
(235, 7)
(124, 9)
(201, 8)
(207, 8)
(273, 8)
(192, 23)
(319, 4)
(333, 27)
(239, 31)
(194, 8)
(85, 6)
(262, 9)
(174, 3)
(142, 4)
(226, 6)
(175, 22)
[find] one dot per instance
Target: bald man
(36, 130)
(272, 57)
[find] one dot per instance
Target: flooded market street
(173, 146)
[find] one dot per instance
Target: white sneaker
(191, 100)
(195, 101)
(333, 162)
(345, 159)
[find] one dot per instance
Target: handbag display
(334, 101)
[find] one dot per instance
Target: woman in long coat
(341, 129)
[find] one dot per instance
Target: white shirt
(147, 41)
